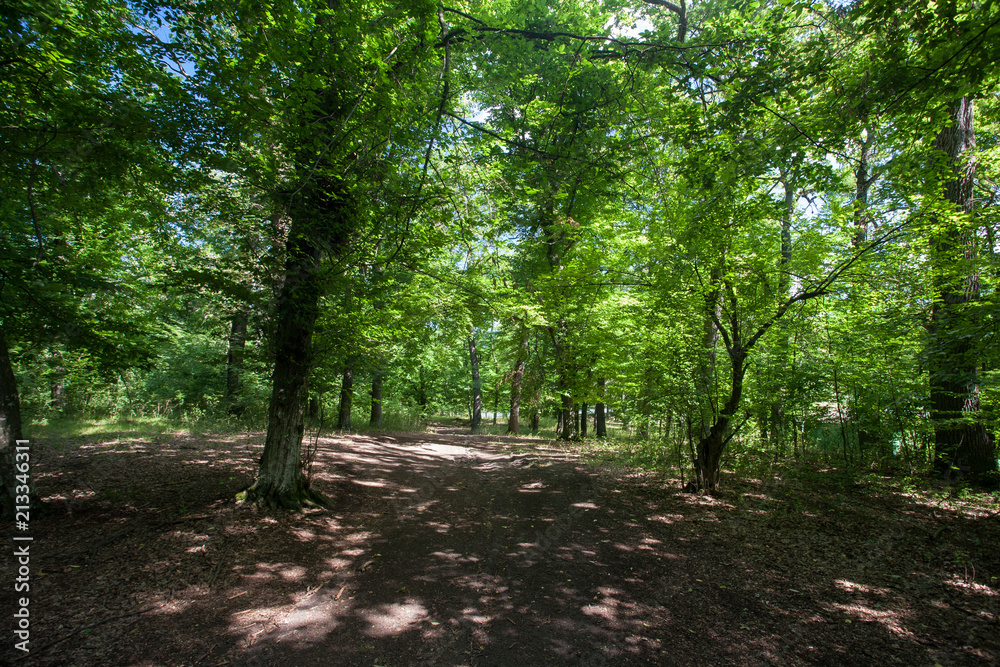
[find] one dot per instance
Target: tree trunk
(577, 412)
(777, 412)
(376, 414)
(323, 222)
(600, 419)
(705, 378)
(422, 391)
(11, 435)
(514, 421)
(346, 400)
(477, 388)
(711, 445)
(583, 420)
(566, 416)
(536, 419)
(862, 184)
(961, 439)
(559, 421)
(234, 362)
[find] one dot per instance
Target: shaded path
(450, 549)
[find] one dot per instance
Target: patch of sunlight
(450, 451)
(364, 482)
(972, 587)
(605, 611)
(587, 505)
(304, 534)
(453, 556)
(438, 527)
(337, 563)
(292, 573)
(852, 587)
(390, 619)
(891, 620)
(306, 624)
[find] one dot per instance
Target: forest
(322, 280)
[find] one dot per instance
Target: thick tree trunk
(322, 221)
(234, 361)
(376, 413)
(477, 388)
(514, 421)
(346, 400)
(10, 433)
(536, 419)
(583, 420)
(566, 416)
(961, 439)
(600, 419)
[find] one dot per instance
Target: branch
(820, 287)
(680, 10)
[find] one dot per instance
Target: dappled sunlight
(391, 619)
(852, 587)
(892, 620)
(462, 553)
(966, 586)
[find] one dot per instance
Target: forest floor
(451, 549)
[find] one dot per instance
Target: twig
(88, 627)
(218, 567)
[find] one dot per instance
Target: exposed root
(292, 500)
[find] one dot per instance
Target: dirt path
(449, 549)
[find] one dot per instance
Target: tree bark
(600, 420)
(566, 416)
(962, 442)
(514, 421)
(376, 413)
(583, 420)
(711, 445)
(477, 388)
(777, 412)
(322, 221)
(10, 433)
(705, 376)
(536, 419)
(346, 400)
(234, 361)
